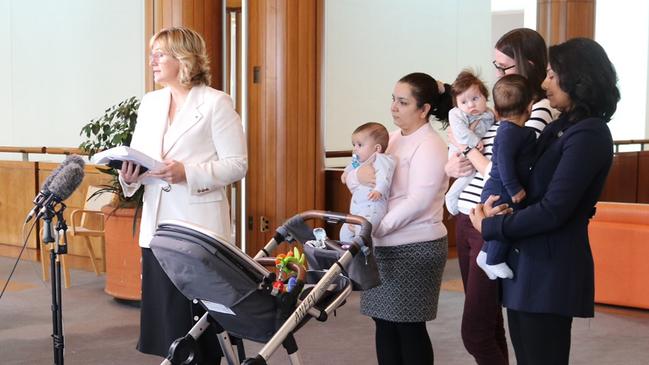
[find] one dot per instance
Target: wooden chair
(85, 223)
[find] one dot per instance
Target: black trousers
(165, 315)
(540, 338)
(401, 343)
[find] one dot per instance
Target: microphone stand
(55, 274)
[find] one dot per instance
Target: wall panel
(18, 186)
(283, 128)
(560, 20)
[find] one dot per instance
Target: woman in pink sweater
(410, 243)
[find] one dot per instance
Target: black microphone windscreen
(67, 181)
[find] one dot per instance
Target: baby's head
(469, 93)
(513, 98)
(368, 139)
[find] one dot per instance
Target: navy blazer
(549, 249)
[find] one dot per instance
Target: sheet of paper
(217, 307)
(125, 153)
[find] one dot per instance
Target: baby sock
(501, 270)
(481, 260)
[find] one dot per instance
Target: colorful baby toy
(286, 280)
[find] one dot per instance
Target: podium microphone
(60, 187)
(46, 190)
(63, 185)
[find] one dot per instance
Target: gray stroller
(237, 290)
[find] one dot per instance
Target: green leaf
(114, 128)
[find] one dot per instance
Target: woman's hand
(366, 175)
(172, 173)
(486, 210)
(457, 166)
(476, 215)
(490, 210)
(130, 172)
(519, 196)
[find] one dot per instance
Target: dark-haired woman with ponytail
(549, 250)
(410, 243)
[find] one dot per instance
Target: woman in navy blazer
(549, 250)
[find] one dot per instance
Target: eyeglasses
(500, 68)
(157, 55)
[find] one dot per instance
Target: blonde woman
(196, 132)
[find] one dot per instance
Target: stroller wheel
(184, 351)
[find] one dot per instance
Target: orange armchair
(619, 239)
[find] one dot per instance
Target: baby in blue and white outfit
(370, 141)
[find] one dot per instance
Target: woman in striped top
(521, 51)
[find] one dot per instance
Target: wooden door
(559, 20)
(286, 155)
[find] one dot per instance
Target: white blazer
(207, 137)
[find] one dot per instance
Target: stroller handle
(333, 217)
(286, 231)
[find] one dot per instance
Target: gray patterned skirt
(411, 276)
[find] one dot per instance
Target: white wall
(526, 7)
(504, 21)
(623, 31)
(370, 44)
(63, 63)
(5, 73)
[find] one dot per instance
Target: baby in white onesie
(369, 142)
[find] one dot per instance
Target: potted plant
(115, 128)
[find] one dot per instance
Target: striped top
(542, 114)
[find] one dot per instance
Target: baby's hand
(519, 196)
(374, 195)
(343, 177)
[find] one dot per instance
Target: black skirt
(166, 315)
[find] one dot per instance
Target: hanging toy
(283, 271)
(278, 288)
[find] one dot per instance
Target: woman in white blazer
(196, 132)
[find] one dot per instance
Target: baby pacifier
(355, 161)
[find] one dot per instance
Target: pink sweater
(416, 201)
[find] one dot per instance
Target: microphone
(75, 159)
(63, 185)
(45, 192)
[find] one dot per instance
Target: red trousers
(483, 332)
